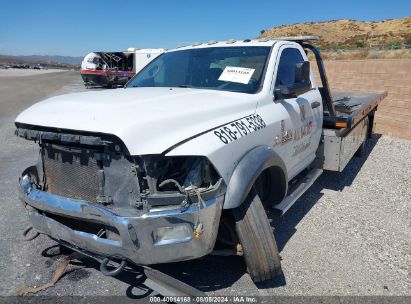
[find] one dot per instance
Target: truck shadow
(284, 226)
(212, 273)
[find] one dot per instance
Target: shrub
(359, 44)
(394, 44)
(407, 40)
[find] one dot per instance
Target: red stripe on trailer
(105, 72)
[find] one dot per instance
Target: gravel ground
(348, 235)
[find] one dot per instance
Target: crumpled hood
(147, 120)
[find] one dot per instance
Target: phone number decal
(239, 128)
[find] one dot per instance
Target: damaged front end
(88, 193)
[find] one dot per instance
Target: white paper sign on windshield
(236, 74)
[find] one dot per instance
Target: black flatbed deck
(351, 108)
(342, 110)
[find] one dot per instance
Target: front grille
(71, 172)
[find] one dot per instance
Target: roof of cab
(246, 42)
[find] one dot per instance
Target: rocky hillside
(348, 33)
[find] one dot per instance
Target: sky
(75, 27)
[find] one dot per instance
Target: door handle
(315, 104)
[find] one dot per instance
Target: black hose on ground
(26, 232)
(114, 272)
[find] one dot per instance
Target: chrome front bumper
(136, 241)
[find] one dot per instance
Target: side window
(286, 67)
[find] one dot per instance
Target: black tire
(257, 239)
(361, 149)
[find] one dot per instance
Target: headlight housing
(171, 177)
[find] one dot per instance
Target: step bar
(299, 189)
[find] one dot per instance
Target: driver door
(301, 131)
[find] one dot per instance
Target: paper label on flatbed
(236, 74)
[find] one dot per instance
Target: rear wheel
(361, 150)
(257, 239)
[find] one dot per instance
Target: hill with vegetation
(349, 33)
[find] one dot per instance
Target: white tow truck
(206, 136)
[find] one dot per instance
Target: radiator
(71, 172)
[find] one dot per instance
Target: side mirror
(302, 72)
(302, 82)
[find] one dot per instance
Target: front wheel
(257, 239)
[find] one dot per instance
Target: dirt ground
(7, 73)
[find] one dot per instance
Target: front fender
(251, 165)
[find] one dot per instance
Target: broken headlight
(171, 177)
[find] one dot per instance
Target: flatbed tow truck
(204, 137)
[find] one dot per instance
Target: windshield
(238, 69)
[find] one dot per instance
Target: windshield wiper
(185, 86)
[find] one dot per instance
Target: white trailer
(108, 69)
